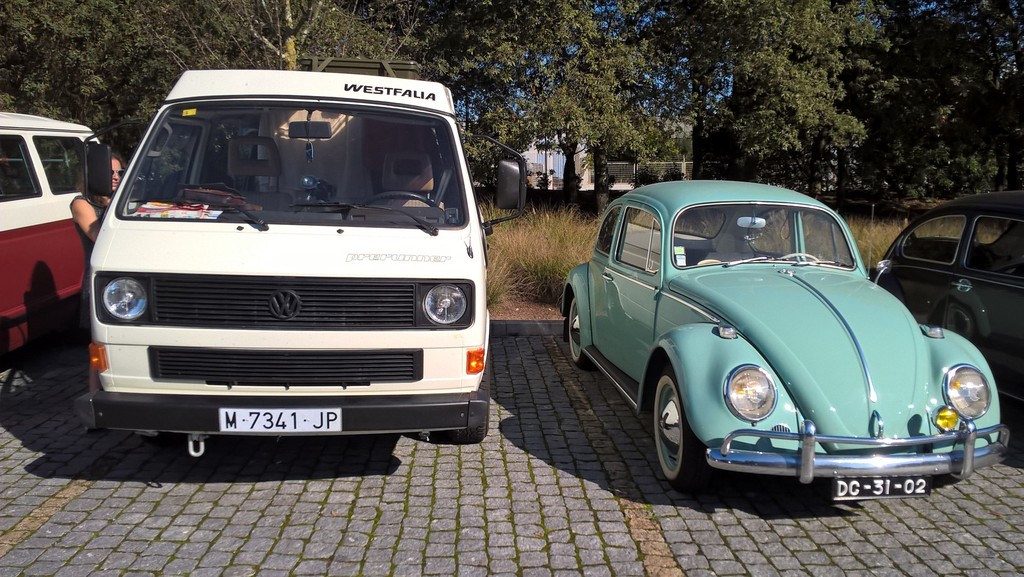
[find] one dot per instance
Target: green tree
(553, 72)
(761, 81)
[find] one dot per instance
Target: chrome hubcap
(669, 428)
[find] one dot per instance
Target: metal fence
(624, 174)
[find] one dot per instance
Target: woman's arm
(85, 219)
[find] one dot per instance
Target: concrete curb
(525, 328)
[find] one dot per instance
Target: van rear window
(17, 180)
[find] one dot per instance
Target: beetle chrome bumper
(807, 464)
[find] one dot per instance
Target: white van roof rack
(392, 68)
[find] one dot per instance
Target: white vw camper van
(295, 253)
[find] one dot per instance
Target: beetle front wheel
(575, 343)
(681, 454)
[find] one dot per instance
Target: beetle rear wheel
(575, 347)
(680, 452)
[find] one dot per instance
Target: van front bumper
(360, 415)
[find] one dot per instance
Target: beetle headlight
(750, 393)
(967, 391)
(125, 298)
(445, 304)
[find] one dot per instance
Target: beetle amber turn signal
(946, 419)
(474, 361)
(98, 357)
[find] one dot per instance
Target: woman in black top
(87, 212)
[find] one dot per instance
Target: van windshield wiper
(422, 224)
(256, 222)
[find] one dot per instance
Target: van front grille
(282, 303)
(285, 367)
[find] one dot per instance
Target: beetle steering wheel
(404, 194)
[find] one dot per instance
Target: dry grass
(873, 236)
(531, 256)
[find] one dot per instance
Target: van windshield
(289, 163)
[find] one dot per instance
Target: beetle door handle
(963, 285)
(607, 276)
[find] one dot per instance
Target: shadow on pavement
(577, 422)
(39, 383)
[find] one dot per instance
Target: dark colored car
(961, 266)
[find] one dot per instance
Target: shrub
(531, 256)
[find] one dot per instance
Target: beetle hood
(850, 354)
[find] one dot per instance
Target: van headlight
(125, 298)
(445, 304)
(967, 390)
(750, 393)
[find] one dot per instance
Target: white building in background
(623, 174)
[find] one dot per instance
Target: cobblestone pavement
(565, 484)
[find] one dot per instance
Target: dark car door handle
(963, 285)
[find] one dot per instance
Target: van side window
(62, 163)
(16, 177)
(935, 240)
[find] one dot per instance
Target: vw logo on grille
(285, 304)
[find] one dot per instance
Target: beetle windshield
(751, 232)
(293, 163)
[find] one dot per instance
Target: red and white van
(41, 258)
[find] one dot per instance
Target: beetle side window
(935, 240)
(16, 177)
(607, 230)
(997, 245)
(640, 245)
(62, 163)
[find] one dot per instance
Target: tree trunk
(570, 182)
(814, 172)
(1013, 179)
(842, 160)
(699, 144)
(601, 192)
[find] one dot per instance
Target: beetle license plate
(857, 488)
(280, 421)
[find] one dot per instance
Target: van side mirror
(511, 193)
(97, 169)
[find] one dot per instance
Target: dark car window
(640, 245)
(700, 222)
(604, 234)
(17, 180)
(62, 162)
(997, 245)
(935, 240)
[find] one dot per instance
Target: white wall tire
(575, 342)
(681, 454)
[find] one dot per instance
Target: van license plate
(852, 489)
(280, 421)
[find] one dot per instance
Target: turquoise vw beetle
(741, 317)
